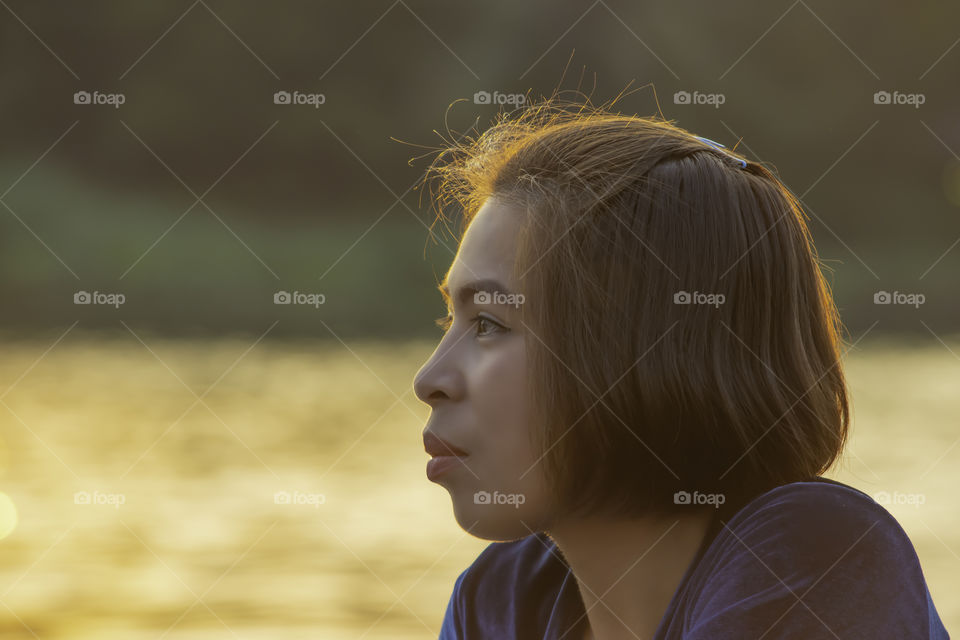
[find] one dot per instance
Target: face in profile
(476, 385)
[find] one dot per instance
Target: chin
(497, 523)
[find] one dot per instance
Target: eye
(445, 322)
(481, 319)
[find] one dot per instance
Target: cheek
(500, 399)
(509, 461)
(502, 505)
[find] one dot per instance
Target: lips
(436, 446)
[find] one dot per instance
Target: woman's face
(476, 385)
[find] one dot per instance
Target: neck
(628, 569)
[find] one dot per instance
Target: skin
(475, 384)
(627, 570)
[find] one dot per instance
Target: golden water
(185, 449)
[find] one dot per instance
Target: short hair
(635, 394)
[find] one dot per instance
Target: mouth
(437, 446)
(445, 456)
(439, 466)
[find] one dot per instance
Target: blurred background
(217, 280)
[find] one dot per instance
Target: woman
(637, 390)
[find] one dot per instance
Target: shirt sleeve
(811, 565)
(452, 627)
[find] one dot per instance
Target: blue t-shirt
(806, 560)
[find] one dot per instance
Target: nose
(438, 379)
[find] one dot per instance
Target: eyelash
(444, 322)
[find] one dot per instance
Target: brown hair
(636, 394)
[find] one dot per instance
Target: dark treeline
(293, 124)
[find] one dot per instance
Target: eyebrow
(466, 292)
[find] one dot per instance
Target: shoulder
(815, 556)
(509, 589)
(819, 509)
(819, 525)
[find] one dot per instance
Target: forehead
(488, 249)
